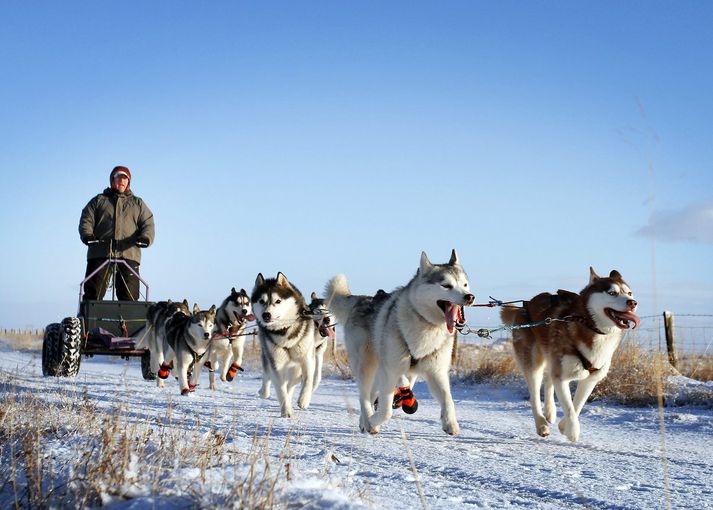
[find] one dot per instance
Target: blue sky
(313, 138)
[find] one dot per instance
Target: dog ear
(212, 310)
(259, 280)
(233, 291)
(615, 275)
(185, 302)
(314, 297)
(454, 258)
(425, 264)
(242, 291)
(195, 308)
(282, 280)
(169, 302)
(593, 277)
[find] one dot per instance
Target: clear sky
(319, 137)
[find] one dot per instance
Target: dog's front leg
(307, 366)
(318, 362)
(183, 361)
(585, 388)
(440, 388)
(569, 425)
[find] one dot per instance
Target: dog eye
(278, 301)
(447, 286)
(262, 301)
(613, 293)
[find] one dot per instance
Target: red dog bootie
(232, 371)
(407, 400)
(164, 370)
(185, 391)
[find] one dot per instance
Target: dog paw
(551, 415)
(452, 429)
(186, 391)
(543, 430)
(212, 386)
(570, 428)
(286, 413)
(303, 403)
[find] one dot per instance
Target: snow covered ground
(623, 459)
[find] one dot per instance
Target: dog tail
(339, 298)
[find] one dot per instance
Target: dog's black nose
(266, 316)
(326, 321)
(245, 311)
(631, 303)
(206, 335)
(469, 299)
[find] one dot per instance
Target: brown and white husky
(577, 348)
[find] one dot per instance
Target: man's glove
(88, 239)
(142, 242)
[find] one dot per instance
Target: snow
(626, 457)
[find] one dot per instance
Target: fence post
(670, 338)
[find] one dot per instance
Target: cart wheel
(62, 348)
(146, 366)
(51, 348)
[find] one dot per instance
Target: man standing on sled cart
(115, 224)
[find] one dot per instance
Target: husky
(154, 337)
(228, 341)
(188, 338)
(287, 336)
(577, 345)
(325, 330)
(406, 333)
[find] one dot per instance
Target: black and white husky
(154, 338)
(407, 333)
(188, 338)
(225, 352)
(325, 330)
(287, 336)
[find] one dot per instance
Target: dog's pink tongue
(451, 316)
(250, 318)
(632, 317)
(331, 333)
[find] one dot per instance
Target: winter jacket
(121, 217)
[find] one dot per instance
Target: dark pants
(126, 284)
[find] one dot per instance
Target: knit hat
(119, 170)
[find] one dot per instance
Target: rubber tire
(62, 348)
(51, 349)
(146, 367)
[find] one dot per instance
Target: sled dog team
(394, 338)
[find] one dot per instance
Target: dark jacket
(121, 217)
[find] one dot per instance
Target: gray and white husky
(188, 338)
(407, 333)
(286, 335)
(225, 352)
(578, 348)
(154, 338)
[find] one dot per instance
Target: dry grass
(73, 455)
(635, 378)
(22, 341)
(698, 367)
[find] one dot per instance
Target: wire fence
(689, 335)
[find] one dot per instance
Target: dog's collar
(585, 321)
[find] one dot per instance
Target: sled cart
(101, 327)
